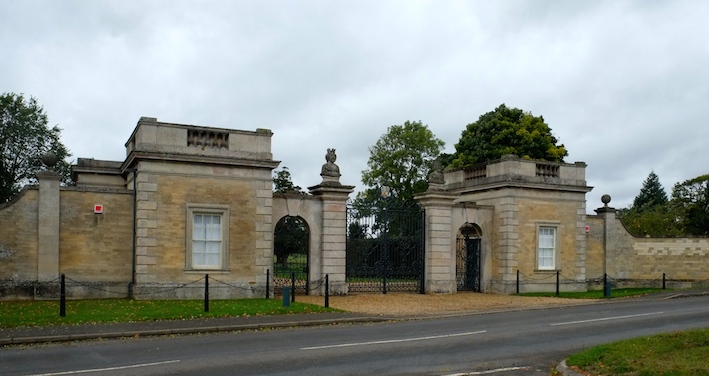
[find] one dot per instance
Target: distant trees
(659, 221)
(506, 131)
(685, 213)
(24, 137)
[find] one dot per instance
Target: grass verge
(45, 313)
(675, 354)
(595, 294)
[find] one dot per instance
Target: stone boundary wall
(635, 258)
(93, 249)
(19, 237)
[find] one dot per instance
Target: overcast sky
(624, 85)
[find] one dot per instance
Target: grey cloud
(622, 84)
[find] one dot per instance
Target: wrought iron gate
(291, 261)
(468, 262)
(385, 248)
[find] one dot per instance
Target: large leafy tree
(24, 138)
(507, 131)
(401, 159)
(691, 198)
(651, 194)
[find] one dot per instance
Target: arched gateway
(291, 254)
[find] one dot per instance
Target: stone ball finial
(50, 159)
(605, 199)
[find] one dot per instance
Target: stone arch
(291, 249)
(308, 209)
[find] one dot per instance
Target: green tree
(282, 182)
(651, 213)
(651, 194)
(24, 138)
(401, 159)
(691, 198)
(507, 131)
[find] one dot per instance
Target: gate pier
(439, 263)
(334, 233)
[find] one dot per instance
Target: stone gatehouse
(192, 200)
(530, 216)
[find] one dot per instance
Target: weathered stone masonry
(142, 244)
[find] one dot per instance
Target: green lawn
(297, 263)
(42, 313)
(674, 354)
(596, 294)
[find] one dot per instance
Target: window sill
(205, 271)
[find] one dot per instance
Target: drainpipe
(135, 217)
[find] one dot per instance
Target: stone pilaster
(439, 251)
(581, 243)
(508, 231)
(146, 227)
(264, 228)
(48, 221)
(334, 233)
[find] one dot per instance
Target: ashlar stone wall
(19, 236)
(96, 247)
(613, 250)
(165, 190)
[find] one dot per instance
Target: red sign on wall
(98, 209)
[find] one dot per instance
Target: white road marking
(488, 371)
(392, 341)
(607, 318)
(108, 369)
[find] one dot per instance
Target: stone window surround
(557, 251)
(193, 209)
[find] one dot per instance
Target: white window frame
(542, 250)
(221, 211)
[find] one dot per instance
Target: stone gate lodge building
(189, 200)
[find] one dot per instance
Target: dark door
(468, 263)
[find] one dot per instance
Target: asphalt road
(509, 343)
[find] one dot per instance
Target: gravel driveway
(409, 304)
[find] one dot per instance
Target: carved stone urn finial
(330, 168)
(436, 179)
(330, 172)
(436, 176)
